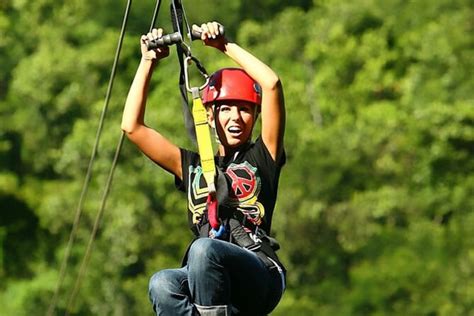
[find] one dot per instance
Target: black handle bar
(165, 40)
(175, 38)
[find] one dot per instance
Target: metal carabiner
(187, 61)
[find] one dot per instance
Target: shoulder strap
(176, 9)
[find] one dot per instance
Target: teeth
(234, 129)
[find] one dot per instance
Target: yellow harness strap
(203, 136)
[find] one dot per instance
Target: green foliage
(376, 203)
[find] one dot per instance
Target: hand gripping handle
(195, 35)
(176, 38)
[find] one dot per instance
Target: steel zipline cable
(108, 184)
(178, 17)
(85, 187)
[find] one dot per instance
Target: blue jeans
(218, 276)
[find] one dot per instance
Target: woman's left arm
(273, 104)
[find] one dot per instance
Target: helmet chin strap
(213, 124)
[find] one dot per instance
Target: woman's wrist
(147, 62)
(223, 45)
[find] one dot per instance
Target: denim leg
(221, 274)
(169, 293)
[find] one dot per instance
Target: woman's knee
(169, 292)
(206, 247)
(155, 285)
(163, 283)
(202, 246)
(203, 250)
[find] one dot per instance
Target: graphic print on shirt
(246, 186)
(197, 193)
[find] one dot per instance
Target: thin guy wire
(100, 213)
(97, 221)
(155, 14)
(87, 179)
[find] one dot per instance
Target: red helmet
(232, 84)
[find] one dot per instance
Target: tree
(379, 143)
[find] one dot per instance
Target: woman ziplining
(231, 267)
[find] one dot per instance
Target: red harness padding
(212, 208)
(217, 228)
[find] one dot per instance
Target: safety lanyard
(206, 154)
(196, 123)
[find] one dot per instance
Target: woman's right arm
(149, 141)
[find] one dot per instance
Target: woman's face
(235, 121)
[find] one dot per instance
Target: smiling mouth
(235, 130)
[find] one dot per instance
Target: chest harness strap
(206, 154)
(201, 129)
(203, 136)
(199, 116)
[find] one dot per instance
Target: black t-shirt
(252, 178)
